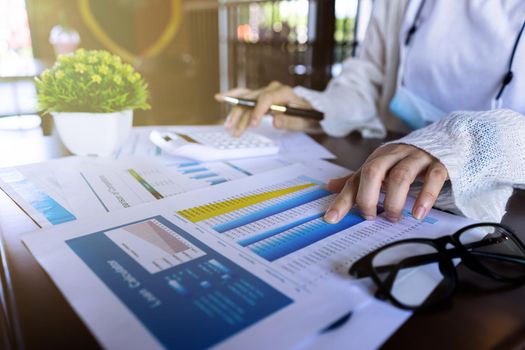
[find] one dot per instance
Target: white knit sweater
(484, 152)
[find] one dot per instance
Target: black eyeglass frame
(444, 256)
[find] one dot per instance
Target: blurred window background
(186, 49)
(17, 65)
(298, 42)
(16, 53)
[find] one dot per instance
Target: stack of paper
(70, 188)
(223, 254)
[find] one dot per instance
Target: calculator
(213, 145)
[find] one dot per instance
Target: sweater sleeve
(483, 153)
(350, 101)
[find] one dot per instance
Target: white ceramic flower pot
(98, 134)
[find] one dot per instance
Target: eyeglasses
(420, 273)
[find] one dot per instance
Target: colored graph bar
(194, 170)
(309, 179)
(302, 236)
(211, 210)
(217, 181)
(184, 165)
(262, 236)
(145, 184)
(274, 209)
(43, 203)
(245, 172)
(204, 176)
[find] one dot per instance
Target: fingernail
(420, 212)
(393, 218)
(331, 216)
(254, 122)
(369, 217)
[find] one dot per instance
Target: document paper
(97, 186)
(71, 188)
(295, 146)
(36, 190)
(245, 264)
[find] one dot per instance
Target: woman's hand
(394, 168)
(276, 93)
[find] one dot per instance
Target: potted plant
(91, 96)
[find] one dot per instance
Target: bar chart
(291, 238)
(160, 182)
(286, 204)
(276, 221)
(37, 198)
(195, 171)
(257, 204)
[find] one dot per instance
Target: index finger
(273, 94)
(238, 92)
(337, 184)
(344, 201)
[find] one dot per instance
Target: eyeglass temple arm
(453, 253)
(366, 271)
(405, 263)
(431, 258)
(510, 258)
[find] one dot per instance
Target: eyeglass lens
(411, 272)
(417, 274)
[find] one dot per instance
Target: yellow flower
(106, 57)
(80, 68)
(92, 59)
(59, 74)
(45, 74)
(80, 52)
(134, 77)
(116, 60)
(96, 78)
(127, 69)
(103, 69)
(117, 79)
(117, 65)
(64, 58)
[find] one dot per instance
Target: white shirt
(482, 151)
(458, 56)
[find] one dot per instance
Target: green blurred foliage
(91, 81)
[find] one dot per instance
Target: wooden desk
(38, 317)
